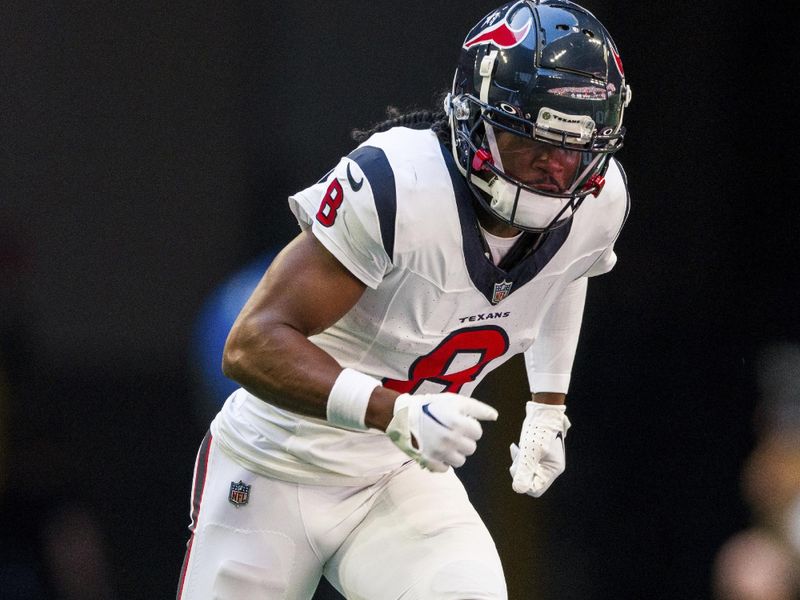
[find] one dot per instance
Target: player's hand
(539, 458)
(438, 430)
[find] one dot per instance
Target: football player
(440, 247)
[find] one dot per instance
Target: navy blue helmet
(546, 71)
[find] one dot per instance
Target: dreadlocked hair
(436, 121)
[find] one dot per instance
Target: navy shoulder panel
(376, 169)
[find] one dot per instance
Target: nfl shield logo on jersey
(501, 290)
(240, 494)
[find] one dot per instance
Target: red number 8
(330, 203)
(488, 342)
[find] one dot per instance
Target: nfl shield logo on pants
(501, 290)
(240, 494)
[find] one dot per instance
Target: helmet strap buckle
(481, 157)
(486, 70)
(595, 184)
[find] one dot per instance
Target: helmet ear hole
(627, 94)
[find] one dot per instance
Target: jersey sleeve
(604, 263)
(342, 211)
(618, 206)
(549, 360)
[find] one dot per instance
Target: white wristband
(347, 402)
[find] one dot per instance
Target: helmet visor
(541, 166)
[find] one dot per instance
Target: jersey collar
(492, 281)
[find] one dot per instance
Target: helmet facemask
(547, 201)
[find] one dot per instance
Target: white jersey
(437, 314)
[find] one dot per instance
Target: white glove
(540, 458)
(445, 428)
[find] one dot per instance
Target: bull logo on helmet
(617, 60)
(500, 34)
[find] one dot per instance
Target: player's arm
(540, 456)
(305, 291)
(549, 361)
(311, 284)
(554, 398)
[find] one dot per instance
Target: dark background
(147, 151)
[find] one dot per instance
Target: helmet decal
(617, 60)
(500, 34)
(585, 92)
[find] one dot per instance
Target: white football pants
(412, 535)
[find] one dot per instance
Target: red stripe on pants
(200, 470)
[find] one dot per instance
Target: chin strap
(595, 183)
(485, 71)
(479, 160)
